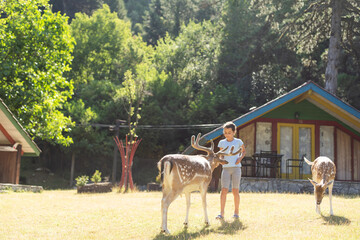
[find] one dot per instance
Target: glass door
(294, 141)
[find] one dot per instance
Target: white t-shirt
(237, 143)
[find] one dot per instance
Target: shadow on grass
(335, 220)
(227, 228)
(230, 227)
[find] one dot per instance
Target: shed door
(343, 165)
(295, 140)
(356, 160)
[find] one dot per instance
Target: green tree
(36, 47)
(243, 46)
(210, 10)
(98, 68)
(136, 11)
(177, 13)
(71, 7)
(190, 59)
(188, 64)
(108, 60)
(117, 6)
(154, 23)
(100, 44)
(334, 24)
(133, 92)
(169, 16)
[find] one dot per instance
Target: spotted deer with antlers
(323, 176)
(188, 173)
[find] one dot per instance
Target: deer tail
(165, 166)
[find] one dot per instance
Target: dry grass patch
(67, 215)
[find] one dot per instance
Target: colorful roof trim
(309, 91)
(12, 132)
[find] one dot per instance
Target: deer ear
(312, 182)
(329, 183)
(222, 162)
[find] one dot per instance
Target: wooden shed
(307, 120)
(14, 143)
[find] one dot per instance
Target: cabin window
(286, 145)
(305, 145)
(327, 141)
(263, 136)
(247, 134)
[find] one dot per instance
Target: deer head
(214, 158)
(319, 190)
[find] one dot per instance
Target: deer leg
(203, 190)
(187, 195)
(317, 208)
(330, 197)
(167, 199)
(164, 210)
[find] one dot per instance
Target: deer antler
(234, 153)
(195, 144)
(231, 153)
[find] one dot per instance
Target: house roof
(11, 132)
(308, 91)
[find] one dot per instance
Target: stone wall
(249, 184)
(19, 188)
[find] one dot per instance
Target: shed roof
(12, 132)
(308, 91)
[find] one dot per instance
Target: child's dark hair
(230, 125)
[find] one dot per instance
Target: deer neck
(213, 165)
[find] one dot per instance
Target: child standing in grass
(232, 170)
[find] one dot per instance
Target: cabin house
(14, 143)
(307, 121)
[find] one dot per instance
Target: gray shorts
(227, 174)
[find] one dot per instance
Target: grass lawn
(64, 214)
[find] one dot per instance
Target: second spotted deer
(323, 176)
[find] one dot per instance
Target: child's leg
(236, 194)
(225, 182)
(223, 194)
(236, 177)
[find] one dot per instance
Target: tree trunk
(115, 153)
(126, 170)
(331, 72)
(72, 169)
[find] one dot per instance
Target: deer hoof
(165, 231)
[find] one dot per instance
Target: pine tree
(154, 23)
(313, 23)
(237, 46)
(117, 6)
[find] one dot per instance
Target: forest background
(69, 69)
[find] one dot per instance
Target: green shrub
(158, 178)
(82, 180)
(96, 177)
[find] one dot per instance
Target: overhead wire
(156, 127)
